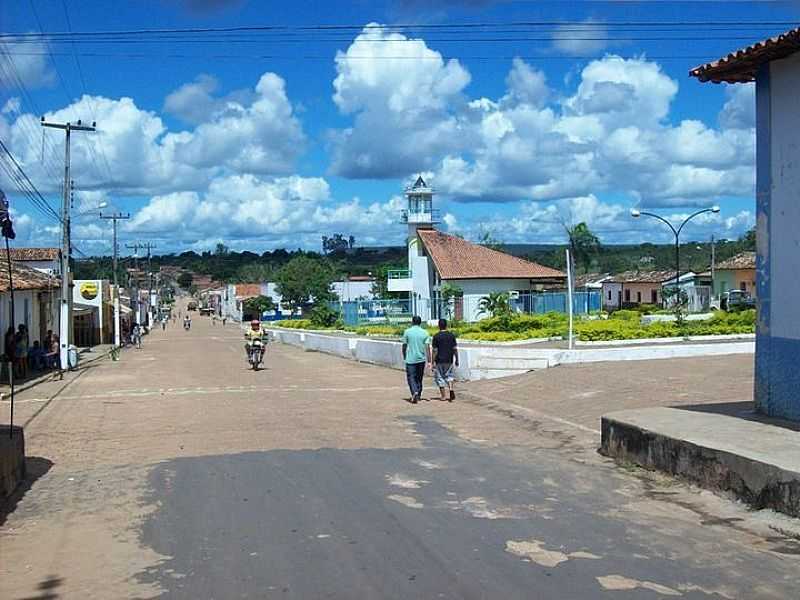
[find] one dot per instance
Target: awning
(82, 309)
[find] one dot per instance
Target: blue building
(774, 66)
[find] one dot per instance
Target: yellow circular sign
(89, 290)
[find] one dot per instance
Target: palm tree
(583, 244)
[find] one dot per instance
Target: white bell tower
(419, 214)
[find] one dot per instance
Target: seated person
(36, 356)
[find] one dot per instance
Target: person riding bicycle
(255, 334)
(187, 322)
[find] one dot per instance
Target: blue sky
(265, 139)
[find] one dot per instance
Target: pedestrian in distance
(416, 353)
(445, 360)
(163, 324)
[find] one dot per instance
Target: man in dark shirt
(445, 359)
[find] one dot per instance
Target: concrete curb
(711, 450)
(491, 362)
(670, 340)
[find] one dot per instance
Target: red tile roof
(745, 260)
(26, 254)
(248, 290)
(456, 258)
(741, 66)
(26, 278)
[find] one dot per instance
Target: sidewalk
(85, 356)
(724, 447)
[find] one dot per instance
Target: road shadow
(47, 589)
(741, 410)
(35, 467)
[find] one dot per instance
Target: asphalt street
(179, 473)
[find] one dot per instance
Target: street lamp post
(636, 213)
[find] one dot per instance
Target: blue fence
(376, 311)
(582, 302)
(381, 311)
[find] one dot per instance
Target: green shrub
(625, 315)
(294, 324)
(324, 317)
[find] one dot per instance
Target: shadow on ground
(452, 519)
(47, 589)
(35, 467)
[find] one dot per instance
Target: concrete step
(511, 363)
(719, 447)
(475, 374)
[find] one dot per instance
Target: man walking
(416, 352)
(445, 356)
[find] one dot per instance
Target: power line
(27, 186)
(304, 57)
(400, 27)
(86, 93)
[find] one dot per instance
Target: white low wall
(651, 352)
(339, 346)
(485, 362)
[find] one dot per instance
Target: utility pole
(65, 314)
(145, 246)
(114, 218)
(713, 266)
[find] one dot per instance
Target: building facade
(437, 261)
(774, 65)
(737, 273)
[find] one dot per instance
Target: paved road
(178, 473)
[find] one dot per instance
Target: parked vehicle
(736, 300)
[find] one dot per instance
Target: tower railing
(431, 216)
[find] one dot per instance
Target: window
(639, 297)
(609, 295)
(743, 286)
(653, 297)
(627, 295)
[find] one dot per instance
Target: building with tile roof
(46, 260)
(436, 259)
(36, 300)
(633, 288)
(736, 273)
(774, 65)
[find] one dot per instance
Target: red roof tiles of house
(26, 278)
(741, 66)
(31, 254)
(745, 260)
(248, 290)
(456, 258)
(643, 277)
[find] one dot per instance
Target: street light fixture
(92, 210)
(636, 213)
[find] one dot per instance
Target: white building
(233, 295)
(36, 301)
(774, 65)
(436, 259)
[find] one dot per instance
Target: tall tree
(305, 280)
(185, 280)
